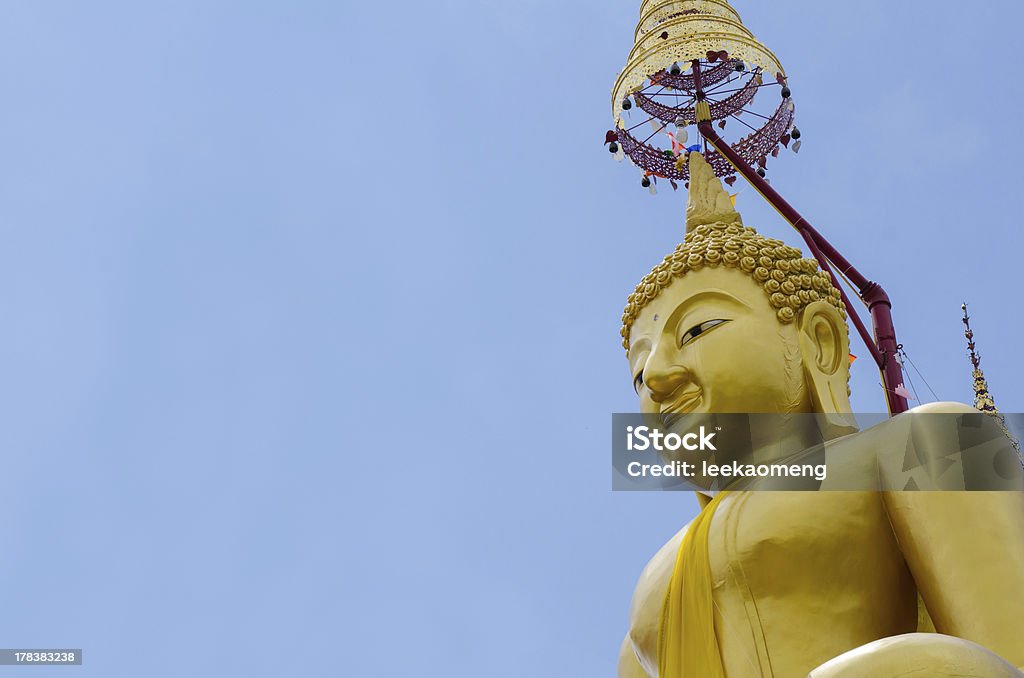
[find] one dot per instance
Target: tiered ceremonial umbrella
(694, 65)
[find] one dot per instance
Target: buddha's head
(735, 322)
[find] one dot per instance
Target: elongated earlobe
(825, 347)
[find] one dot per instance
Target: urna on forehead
(716, 236)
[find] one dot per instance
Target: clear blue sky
(311, 311)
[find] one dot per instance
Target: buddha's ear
(825, 349)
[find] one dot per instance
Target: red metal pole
(883, 346)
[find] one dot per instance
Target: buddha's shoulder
(888, 426)
(883, 450)
(902, 422)
(945, 407)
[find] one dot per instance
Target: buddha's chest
(810, 535)
(785, 566)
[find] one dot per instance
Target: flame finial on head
(708, 203)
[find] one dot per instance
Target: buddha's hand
(918, 654)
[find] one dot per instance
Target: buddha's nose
(664, 376)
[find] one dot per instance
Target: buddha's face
(711, 342)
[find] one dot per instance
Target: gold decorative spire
(982, 398)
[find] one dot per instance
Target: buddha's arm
(966, 552)
(638, 657)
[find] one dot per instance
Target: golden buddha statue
(824, 584)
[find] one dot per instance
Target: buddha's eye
(698, 330)
(638, 382)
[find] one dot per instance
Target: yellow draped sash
(687, 646)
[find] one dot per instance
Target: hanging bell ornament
(675, 70)
(795, 134)
(786, 93)
(645, 182)
(627, 104)
(740, 66)
(761, 172)
(796, 146)
(613, 147)
(681, 136)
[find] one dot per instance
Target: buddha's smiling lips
(681, 406)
